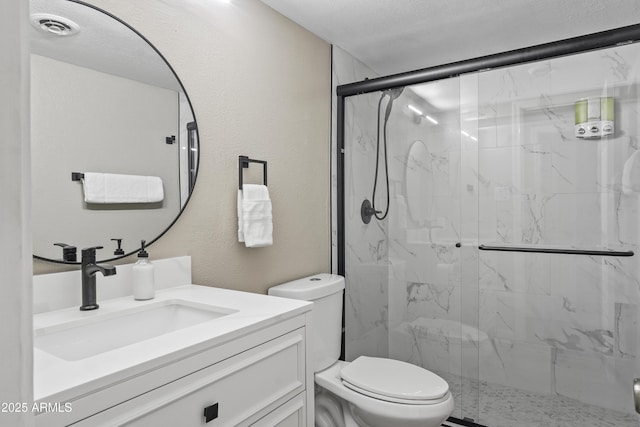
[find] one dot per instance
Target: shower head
(393, 94)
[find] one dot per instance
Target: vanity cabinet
(260, 379)
(291, 414)
(238, 391)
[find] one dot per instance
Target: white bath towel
(255, 226)
(116, 188)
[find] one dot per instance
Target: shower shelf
(556, 250)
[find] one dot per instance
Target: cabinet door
(244, 388)
(291, 414)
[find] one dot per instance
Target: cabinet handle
(211, 413)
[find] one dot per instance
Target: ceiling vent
(53, 24)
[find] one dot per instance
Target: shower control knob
(367, 211)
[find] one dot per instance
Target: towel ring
(243, 162)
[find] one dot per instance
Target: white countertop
(56, 379)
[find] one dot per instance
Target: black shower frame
(601, 40)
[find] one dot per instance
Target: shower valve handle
(367, 211)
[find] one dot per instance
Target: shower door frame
(571, 46)
(575, 45)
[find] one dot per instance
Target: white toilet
(370, 391)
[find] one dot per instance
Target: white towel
(115, 188)
(255, 226)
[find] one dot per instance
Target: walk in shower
(508, 261)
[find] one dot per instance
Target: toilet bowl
(379, 410)
(370, 391)
(329, 410)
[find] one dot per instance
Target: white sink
(98, 333)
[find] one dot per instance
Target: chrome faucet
(89, 270)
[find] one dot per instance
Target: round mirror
(113, 136)
(419, 182)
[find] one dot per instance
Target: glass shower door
(408, 296)
(561, 343)
(508, 262)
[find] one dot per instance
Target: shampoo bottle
(143, 276)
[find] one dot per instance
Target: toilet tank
(325, 291)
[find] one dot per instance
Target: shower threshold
(455, 422)
(504, 406)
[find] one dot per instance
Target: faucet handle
(68, 252)
(92, 248)
(89, 254)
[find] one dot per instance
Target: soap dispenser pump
(143, 276)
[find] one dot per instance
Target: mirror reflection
(108, 111)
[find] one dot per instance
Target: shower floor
(503, 406)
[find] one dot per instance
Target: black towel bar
(77, 176)
(243, 162)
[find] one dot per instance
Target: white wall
(15, 243)
(260, 86)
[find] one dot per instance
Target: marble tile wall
(344, 69)
(367, 246)
(552, 324)
(559, 324)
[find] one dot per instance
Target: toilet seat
(394, 381)
(393, 399)
(381, 412)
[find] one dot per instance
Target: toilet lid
(393, 378)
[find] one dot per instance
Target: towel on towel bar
(255, 226)
(116, 188)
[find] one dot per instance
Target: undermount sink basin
(99, 333)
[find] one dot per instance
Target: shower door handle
(636, 394)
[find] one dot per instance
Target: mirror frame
(197, 131)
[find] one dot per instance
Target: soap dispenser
(143, 276)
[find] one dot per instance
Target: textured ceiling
(393, 36)
(102, 44)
